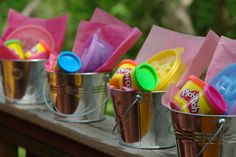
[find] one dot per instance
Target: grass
(21, 152)
(109, 109)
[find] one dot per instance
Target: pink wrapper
(197, 54)
(200, 61)
(225, 54)
(55, 26)
(52, 61)
(197, 50)
(6, 53)
(160, 39)
(197, 66)
(167, 97)
(43, 55)
(95, 52)
(119, 35)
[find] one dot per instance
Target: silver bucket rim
(58, 113)
(28, 100)
(132, 90)
(208, 136)
(142, 142)
(77, 73)
(200, 115)
(24, 60)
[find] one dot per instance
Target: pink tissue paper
(119, 35)
(6, 53)
(197, 54)
(56, 27)
(224, 55)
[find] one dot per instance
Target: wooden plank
(7, 149)
(59, 142)
(28, 154)
(96, 135)
(102, 131)
(35, 148)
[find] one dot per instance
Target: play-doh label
(192, 105)
(123, 70)
(127, 82)
(191, 97)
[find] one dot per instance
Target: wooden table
(35, 129)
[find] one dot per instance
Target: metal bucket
(204, 135)
(22, 81)
(79, 97)
(142, 122)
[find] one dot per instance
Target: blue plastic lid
(69, 62)
(225, 82)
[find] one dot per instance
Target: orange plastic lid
(197, 80)
(129, 61)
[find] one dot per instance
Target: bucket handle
(221, 122)
(68, 115)
(138, 99)
(15, 100)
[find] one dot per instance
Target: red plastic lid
(45, 45)
(216, 100)
(197, 80)
(30, 35)
(129, 61)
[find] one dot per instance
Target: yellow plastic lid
(167, 63)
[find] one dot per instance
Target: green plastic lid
(146, 77)
(8, 42)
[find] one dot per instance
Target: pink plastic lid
(30, 35)
(216, 100)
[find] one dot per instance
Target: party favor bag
(224, 55)
(29, 29)
(197, 54)
(117, 37)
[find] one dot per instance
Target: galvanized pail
(200, 135)
(78, 97)
(22, 81)
(142, 122)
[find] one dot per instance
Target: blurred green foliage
(217, 15)
(133, 13)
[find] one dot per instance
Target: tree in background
(218, 15)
